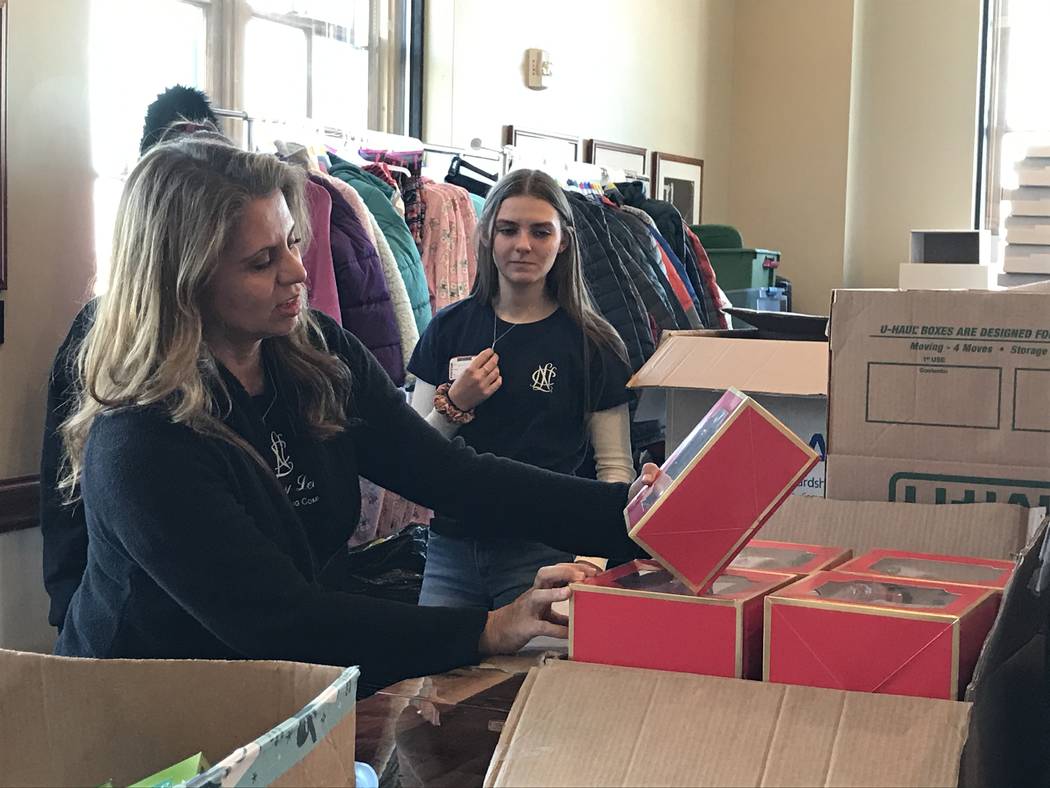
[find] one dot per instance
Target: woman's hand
(511, 627)
(478, 382)
(650, 473)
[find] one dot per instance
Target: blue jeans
(488, 573)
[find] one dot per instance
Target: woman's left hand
(530, 615)
(650, 473)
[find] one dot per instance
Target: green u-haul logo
(941, 488)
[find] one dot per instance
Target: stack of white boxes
(1028, 226)
(948, 260)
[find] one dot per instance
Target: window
(1017, 109)
(337, 63)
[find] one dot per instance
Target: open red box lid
(962, 570)
(717, 489)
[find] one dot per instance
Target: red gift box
(876, 634)
(639, 615)
(717, 489)
(765, 555)
(961, 570)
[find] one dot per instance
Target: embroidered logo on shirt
(543, 378)
(284, 464)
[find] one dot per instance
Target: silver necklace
(496, 339)
(273, 400)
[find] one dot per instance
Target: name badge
(457, 366)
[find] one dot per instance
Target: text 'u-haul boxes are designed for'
(906, 565)
(874, 634)
(940, 396)
(639, 615)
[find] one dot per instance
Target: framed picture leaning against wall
(679, 180)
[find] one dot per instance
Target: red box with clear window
(640, 615)
(717, 489)
(798, 559)
(877, 634)
(961, 570)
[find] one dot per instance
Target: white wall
(913, 122)
(790, 131)
(656, 74)
(50, 260)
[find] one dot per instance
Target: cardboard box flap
(1008, 737)
(70, 721)
(639, 727)
(981, 530)
(754, 367)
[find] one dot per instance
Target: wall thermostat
(537, 69)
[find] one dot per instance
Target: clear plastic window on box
(931, 569)
(680, 459)
(663, 582)
(888, 593)
(772, 558)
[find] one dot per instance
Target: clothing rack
(238, 114)
(373, 139)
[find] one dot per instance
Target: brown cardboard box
(940, 396)
(579, 724)
(575, 724)
(66, 721)
(689, 372)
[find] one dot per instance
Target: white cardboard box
(689, 372)
(1028, 230)
(951, 246)
(1026, 259)
(1029, 201)
(1033, 171)
(946, 276)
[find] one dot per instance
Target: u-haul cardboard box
(940, 396)
(688, 373)
(67, 721)
(581, 724)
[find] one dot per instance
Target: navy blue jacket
(195, 551)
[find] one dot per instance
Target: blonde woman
(524, 368)
(218, 438)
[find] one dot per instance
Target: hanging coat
(666, 251)
(397, 235)
(317, 260)
(399, 298)
(449, 256)
(609, 284)
(643, 265)
(364, 301)
(671, 226)
(707, 274)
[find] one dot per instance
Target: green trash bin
(740, 269)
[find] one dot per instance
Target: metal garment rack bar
(239, 115)
(347, 137)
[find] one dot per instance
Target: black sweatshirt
(195, 551)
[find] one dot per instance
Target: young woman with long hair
(217, 438)
(524, 368)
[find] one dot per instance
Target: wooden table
(440, 730)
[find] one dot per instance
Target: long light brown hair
(565, 282)
(178, 213)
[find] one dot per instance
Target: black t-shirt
(537, 415)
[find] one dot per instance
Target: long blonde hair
(565, 282)
(178, 212)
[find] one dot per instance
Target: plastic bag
(390, 568)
